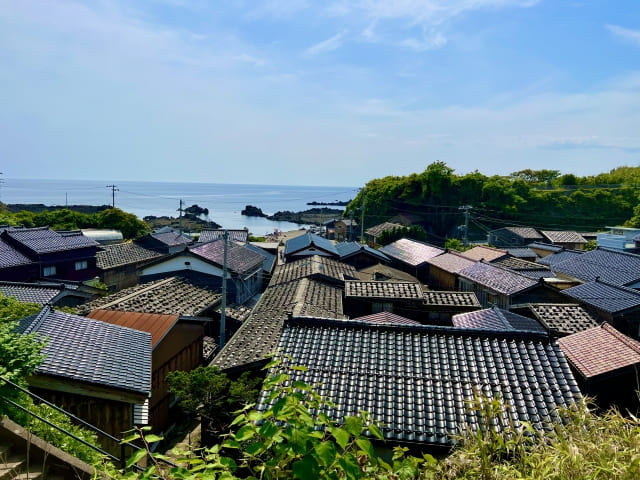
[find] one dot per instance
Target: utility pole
(223, 306)
(362, 217)
(180, 209)
(114, 189)
(465, 238)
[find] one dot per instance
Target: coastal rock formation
(316, 216)
(251, 211)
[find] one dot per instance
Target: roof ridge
(151, 286)
(39, 318)
(503, 318)
(630, 342)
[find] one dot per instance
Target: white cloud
(627, 34)
(429, 41)
(328, 45)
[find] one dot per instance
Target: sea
(224, 201)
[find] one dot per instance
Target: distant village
(407, 331)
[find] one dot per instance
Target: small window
(49, 271)
(81, 265)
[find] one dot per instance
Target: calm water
(224, 201)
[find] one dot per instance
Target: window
(49, 271)
(81, 265)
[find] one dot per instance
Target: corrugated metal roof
(156, 324)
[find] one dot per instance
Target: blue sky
(316, 92)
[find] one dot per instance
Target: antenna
(114, 189)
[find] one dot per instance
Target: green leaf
(255, 416)
(341, 436)
(255, 448)
(231, 443)
(299, 368)
(307, 468)
(326, 452)
(245, 433)
(153, 438)
(136, 457)
(237, 420)
(365, 446)
(350, 466)
(353, 425)
(375, 431)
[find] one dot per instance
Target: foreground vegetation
(540, 198)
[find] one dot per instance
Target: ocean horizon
(224, 201)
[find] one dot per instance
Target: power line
(114, 189)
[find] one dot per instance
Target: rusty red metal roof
(158, 325)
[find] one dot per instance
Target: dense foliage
(540, 198)
(65, 219)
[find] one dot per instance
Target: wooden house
(372, 234)
(167, 242)
(443, 270)
(569, 239)
(120, 265)
(99, 372)
(308, 245)
(57, 255)
(176, 344)
(360, 256)
(50, 293)
(346, 229)
(401, 298)
(513, 237)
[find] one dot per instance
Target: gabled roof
(563, 236)
(377, 230)
(563, 318)
(526, 233)
(612, 266)
(498, 279)
(31, 292)
(91, 351)
(451, 299)
(188, 294)
(496, 319)
(605, 296)
(482, 252)
(548, 247)
(158, 325)
(10, 257)
(600, 350)
(310, 240)
(523, 267)
(411, 252)
(211, 234)
(171, 239)
(383, 290)
(349, 249)
(44, 240)
(315, 266)
(258, 335)
(111, 256)
(451, 262)
(423, 377)
(387, 318)
(240, 259)
(384, 272)
(560, 256)
(521, 252)
(269, 259)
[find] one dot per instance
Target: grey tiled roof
(269, 259)
(497, 279)
(497, 319)
(411, 252)
(389, 290)
(605, 296)
(387, 318)
(259, 334)
(609, 265)
(450, 262)
(514, 263)
(376, 230)
(10, 257)
(522, 252)
(110, 256)
(240, 259)
(171, 239)
(349, 249)
(178, 295)
(44, 240)
(315, 266)
(31, 292)
(564, 236)
(210, 234)
(562, 318)
(525, 232)
(456, 299)
(309, 240)
(546, 246)
(558, 257)
(417, 380)
(92, 351)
